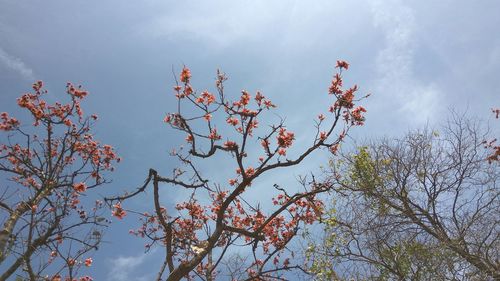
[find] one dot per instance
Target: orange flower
(213, 135)
(285, 138)
(6, 123)
(37, 85)
(357, 115)
(334, 149)
(185, 75)
(249, 171)
(67, 122)
(229, 144)
(342, 64)
(205, 97)
(232, 121)
(79, 187)
(245, 97)
(322, 136)
(118, 211)
(88, 262)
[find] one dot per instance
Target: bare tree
(422, 207)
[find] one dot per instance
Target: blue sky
(418, 59)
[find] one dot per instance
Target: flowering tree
(49, 225)
(197, 236)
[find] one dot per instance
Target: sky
(418, 59)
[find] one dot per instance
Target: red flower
(357, 115)
(37, 85)
(245, 97)
(67, 122)
(6, 123)
(118, 211)
(322, 136)
(185, 75)
(213, 135)
(342, 64)
(208, 97)
(334, 149)
(249, 171)
(229, 144)
(285, 138)
(232, 121)
(80, 187)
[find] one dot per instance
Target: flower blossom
(285, 138)
(6, 123)
(342, 64)
(185, 75)
(80, 187)
(118, 211)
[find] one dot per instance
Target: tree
(495, 154)
(198, 236)
(49, 224)
(422, 207)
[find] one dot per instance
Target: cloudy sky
(418, 59)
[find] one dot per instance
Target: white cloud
(395, 63)
(16, 64)
(196, 23)
(123, 267)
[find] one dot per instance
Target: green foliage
(365, 175)
(363, 171)
(319, 264)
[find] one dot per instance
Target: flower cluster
(118, 211)
(205, 98)
(342, 64)
(285, 140)
(357, 116)
(7, 123)
(185, 75)
(80, 187)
